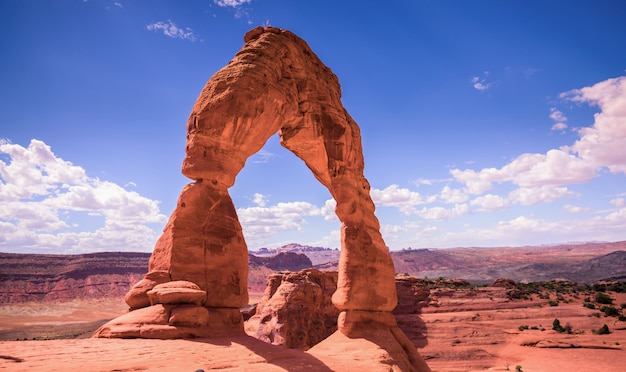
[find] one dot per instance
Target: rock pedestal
(275, 83)
(296, 309)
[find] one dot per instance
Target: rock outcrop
(275, 84)
(296, 309)
(413, 294)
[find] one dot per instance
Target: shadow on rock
(289, 359)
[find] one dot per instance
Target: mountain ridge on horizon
(57, 276)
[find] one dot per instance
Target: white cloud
(443, 214)
(539, 195)
(478, 182)
(39, 191)
(260, 199)
(423, 181)
(117, 4)
(394, 196)
(559, 119)
(238, 5)
(602, 145)
(575, 209)
(171, 30)
(262, 223)
(231, 3)
(481, 83)
(262, 157)
(450, 195)
(556, 168)
(328, 210)
(618, 202)
(490, 201)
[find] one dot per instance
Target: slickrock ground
(462, 331)
(477, 330)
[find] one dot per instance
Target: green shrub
(609, 311)
(553, 303)
(522, 327)
(589, 305)
(604, 330)
(567, 329)
(556, 325)
(603, 298)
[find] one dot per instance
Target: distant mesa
(274, 84)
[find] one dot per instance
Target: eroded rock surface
(296, 309)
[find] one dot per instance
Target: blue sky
(484, 123)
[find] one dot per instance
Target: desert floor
(462, 330)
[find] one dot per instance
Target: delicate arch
(277, 84)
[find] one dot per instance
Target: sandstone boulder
(174, 321)
(177, 292)
(137, 297)
(296, 309)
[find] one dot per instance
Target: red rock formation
(413, 294)
(296, 309)
(267, 88)
(55, 277)
(274, 84)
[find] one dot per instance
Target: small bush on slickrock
(556, 325)
(604, 330)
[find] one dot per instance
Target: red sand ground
(466, 332)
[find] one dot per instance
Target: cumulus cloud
(260, 199)
(261, 223)
(41, 192)
(539, 195)
(450, 195)
(490, 202)
(170, 29)
(443, 214)
(602, 145)
(395, 196)
(599, 146)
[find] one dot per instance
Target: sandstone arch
(277, 84)
(197, 278)
(197, 275)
